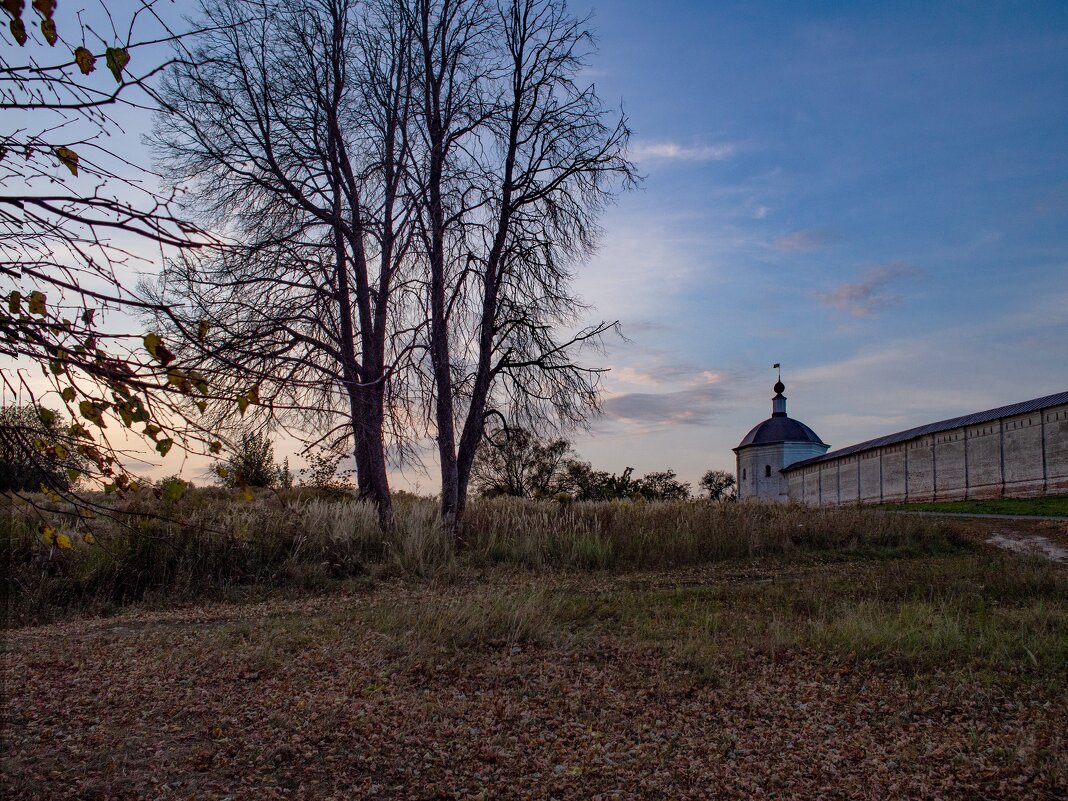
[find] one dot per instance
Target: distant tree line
(516, 462)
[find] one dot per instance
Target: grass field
(1051, 506)
(860, 656)
(211, 545)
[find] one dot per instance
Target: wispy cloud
(871, 294)
(805, 240)
(693, 405)
(628, 375)
(671, 151)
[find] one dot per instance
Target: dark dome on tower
(779, 387)
(780, 429)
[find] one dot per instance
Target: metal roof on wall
(934, 428)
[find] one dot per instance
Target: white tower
(772, 445)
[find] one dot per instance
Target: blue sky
(874, 195)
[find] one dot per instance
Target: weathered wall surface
(871, 476)
(1019, 456)
(848, 480)
(1055, 436)
(950, 483)
(755, 463)
(893, 473)
(753, 479)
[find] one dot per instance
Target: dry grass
(210, 543)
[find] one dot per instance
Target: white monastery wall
(871, 476)
(1055, 435)
(848, 480)
(893, 488)
(1019, 456)
(949, 465)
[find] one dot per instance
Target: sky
(874, 195)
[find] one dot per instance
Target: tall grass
(210, 541)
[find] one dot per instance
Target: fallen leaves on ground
(305, 699)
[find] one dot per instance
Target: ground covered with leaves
(817, 676)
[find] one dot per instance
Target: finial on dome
(778, 403)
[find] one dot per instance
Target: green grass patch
(1000, 616)
(1050, 506)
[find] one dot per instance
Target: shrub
(252, 464)
(35, 451)
(717, 485)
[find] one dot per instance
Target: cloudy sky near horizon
(874, 195)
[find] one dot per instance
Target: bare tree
(412, 183)
(515, 161)
(288, 127)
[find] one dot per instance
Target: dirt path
(1029, 544)
(1047, 537)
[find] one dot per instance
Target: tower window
(743, 474)
(767, 471)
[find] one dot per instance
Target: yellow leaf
(88, 538)
(18, 31)
(68, 158)
(254, 395)
(246, 493)
(48, 29)
(177, 378)
(85, 60)
(48, 534)
(152, 342)
(117, 58)
(14, 302)
(63, 542)
(68, 394)
(202, 329)
(91, 412)
(37, 303)
(242, 404)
